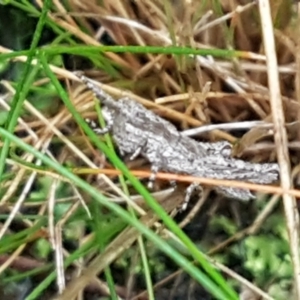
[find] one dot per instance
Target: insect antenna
(103, 97)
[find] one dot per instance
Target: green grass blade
(20, 95)
(214, 288)
(89, 50)
(170, 223)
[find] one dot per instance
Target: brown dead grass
(194, 91)
(238, 89)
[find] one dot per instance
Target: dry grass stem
(280, 137)
(251, 99)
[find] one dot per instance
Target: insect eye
(226, 151)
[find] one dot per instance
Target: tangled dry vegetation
(190, 91)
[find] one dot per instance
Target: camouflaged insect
(138, 131)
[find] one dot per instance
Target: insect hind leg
(188, 194)
(154, 170)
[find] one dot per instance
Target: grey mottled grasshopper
(138, 131)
